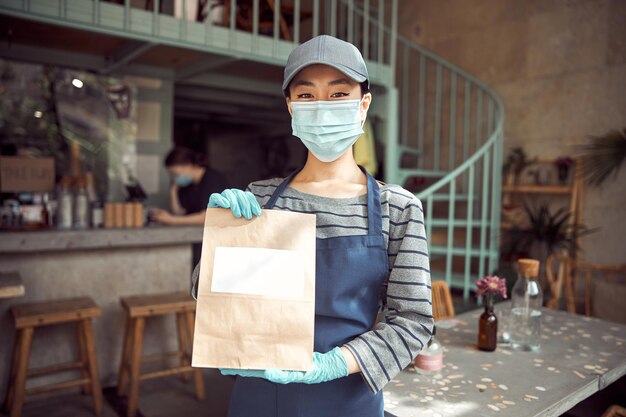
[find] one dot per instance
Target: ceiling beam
(244, 112)
(228, 82)
(77, 60)
(203, 65)
(124, 55)
(186, 91)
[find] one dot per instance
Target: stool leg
(135, 366)
(26, 338)
(197, 372)
(82, 355)
(92, 362)
(182, 350)
(11, 385)
(125, 361)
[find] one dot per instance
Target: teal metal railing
(448, 150)
(309, 18)
(450, 142)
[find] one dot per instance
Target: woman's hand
(162, 216)
(326, 367)
(240, 203)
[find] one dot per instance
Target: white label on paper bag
(258, 271)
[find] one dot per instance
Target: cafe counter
(104, 264)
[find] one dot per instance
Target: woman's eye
(339, 94)
(305, 95)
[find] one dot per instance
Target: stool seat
(54, 312)
(138, 309)
(158, 304)
(30, 316)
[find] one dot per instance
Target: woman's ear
(366, 101)
(288, 101)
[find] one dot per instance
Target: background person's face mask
(183, 180)
(327, 128)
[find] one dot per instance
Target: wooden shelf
(538, 189)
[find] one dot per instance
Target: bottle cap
(528, 267)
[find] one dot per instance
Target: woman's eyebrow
(303, 83)
(340, 81)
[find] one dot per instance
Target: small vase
(488, 330)
(563, 171)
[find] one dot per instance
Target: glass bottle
(430, 359)
(526, 304)
(81, 206)
(66, 203)
(488, 327)
(45, 212)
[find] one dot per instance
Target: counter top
(64, 240)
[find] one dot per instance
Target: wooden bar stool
(32, 315)
(138, 309)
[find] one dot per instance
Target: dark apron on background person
(350, 271)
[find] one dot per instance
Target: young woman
(371, 250)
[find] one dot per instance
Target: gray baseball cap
(330, 51)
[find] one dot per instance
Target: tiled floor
(170, 397)
(165, 397)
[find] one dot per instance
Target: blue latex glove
(326, 367)
(240, 203)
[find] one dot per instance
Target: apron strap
(279, 190)
(374, 211)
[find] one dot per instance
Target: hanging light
(38, 114)
(77, 83)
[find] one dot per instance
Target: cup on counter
(118, 215)
(129, 215)
(123, 215)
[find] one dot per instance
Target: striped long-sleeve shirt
(390, 346)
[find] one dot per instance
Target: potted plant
(515, 163)
(603, 156)
(543, 233)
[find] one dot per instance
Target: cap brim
(350, 73)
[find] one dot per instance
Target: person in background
(192, 184)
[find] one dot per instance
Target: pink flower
(491, 285)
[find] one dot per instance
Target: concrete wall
(104, 274)
(559, 67)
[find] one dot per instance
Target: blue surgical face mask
(327, 128)
(183, 180)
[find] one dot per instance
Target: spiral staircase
(442, 129)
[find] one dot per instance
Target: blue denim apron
(350, 271)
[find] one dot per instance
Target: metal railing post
(316, 18)
(381, 32)
(393, 42)
(366, 30)
(296, 22)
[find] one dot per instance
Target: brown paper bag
(256, 292)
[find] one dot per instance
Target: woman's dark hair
(184, 156)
